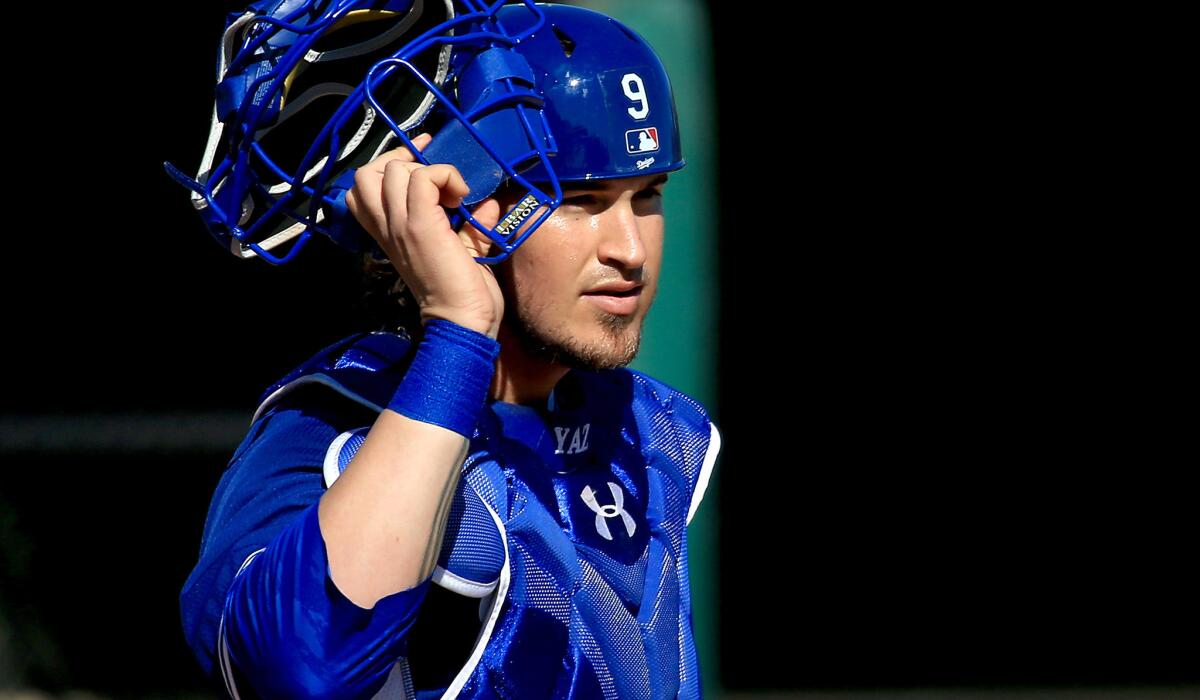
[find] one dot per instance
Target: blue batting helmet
(609, 101)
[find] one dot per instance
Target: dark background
(948, 457)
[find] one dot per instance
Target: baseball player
(488, 503)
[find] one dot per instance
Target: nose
(621, 241)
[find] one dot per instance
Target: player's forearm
(384, 518)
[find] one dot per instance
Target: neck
(519, 378)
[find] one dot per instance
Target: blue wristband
(447, 383)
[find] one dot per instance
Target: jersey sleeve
(260, 608)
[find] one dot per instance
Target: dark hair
(387, 302)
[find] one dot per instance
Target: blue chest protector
(569, 525)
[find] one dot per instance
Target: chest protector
(569, 523)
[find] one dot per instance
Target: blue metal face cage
(282, 90)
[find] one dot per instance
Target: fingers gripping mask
(308, 91)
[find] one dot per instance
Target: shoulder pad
(365, 368)
(698, 440)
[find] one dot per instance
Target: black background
(947, 458)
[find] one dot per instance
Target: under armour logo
(603, 513)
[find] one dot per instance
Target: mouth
(617, 288)
(636, 291)
(619, 302)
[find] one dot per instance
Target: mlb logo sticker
(642, 140)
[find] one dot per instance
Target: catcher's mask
(310, 90)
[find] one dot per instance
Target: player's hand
(399, 202)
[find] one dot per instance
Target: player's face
(605, 234)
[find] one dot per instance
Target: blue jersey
(563, 571)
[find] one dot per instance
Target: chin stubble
(620, 346)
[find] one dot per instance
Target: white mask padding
(214, 132)
(229, 44)
(373, 43)
(325, 89)
(242, 251)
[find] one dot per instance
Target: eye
(649, 194)
(579, 200)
